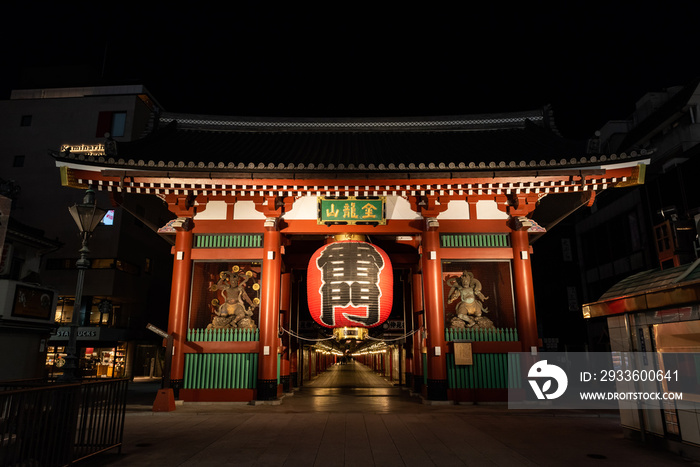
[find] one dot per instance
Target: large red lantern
(350, 283)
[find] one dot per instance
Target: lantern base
(350, 333)
(348, 236)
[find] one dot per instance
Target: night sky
(590, 62)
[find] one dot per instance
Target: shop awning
(649, 290)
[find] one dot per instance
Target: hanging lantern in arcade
(350, 284)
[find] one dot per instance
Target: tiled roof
(495, 141)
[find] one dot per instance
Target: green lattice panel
(488, 371)
(221, 371)
(228, 241)
(468, 240)
(223, 335)
(482, 335)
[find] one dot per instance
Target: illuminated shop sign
(90, 333)
(87, 149)
(83, 333)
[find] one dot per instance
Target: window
(113, 123)
(26, 120)
(18, 161)
(118, 123)
(102, 313)
(64, 310)
(108, 219)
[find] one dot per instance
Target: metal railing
(58, 424)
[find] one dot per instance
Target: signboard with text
(350, 210)
(463, 353)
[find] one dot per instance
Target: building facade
(26, 308)
(647, 299)
(124, 288)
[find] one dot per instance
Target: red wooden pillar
(434, 315)
(294, 367)
(418, 336)
(390, 354)
(285, 358)
(296, 355)
(524, 290)
(180, 301)
(269, 314)
(285, 284)
(409, 370)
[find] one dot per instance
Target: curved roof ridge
(426, 123)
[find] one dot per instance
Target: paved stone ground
(349, 416)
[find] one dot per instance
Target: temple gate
(454, 202)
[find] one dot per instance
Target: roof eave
(591, 165)
(662, 298)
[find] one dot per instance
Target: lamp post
(87, 216)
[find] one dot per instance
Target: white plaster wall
(245, 210)
(488, 210)
(399, 208)
(215, 210)
(456, 210)
(304, 208)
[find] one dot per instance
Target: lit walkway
(366, 426)
(348, 375)
(351, 387)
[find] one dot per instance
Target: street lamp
(87, 216)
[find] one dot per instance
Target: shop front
(102, 352)
(26, 323)
(657, 313)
